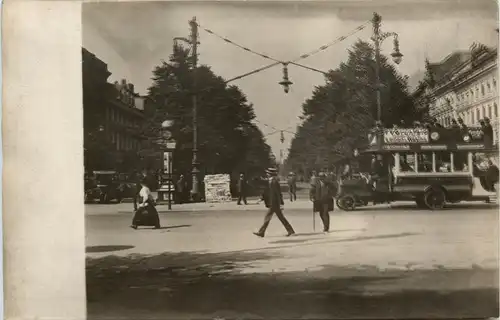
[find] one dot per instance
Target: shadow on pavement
(96, 249)
(315, 241)
(450, 208)
(207, 285)
(319, 233)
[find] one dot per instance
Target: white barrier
(218, 188)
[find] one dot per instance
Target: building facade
(113, 118)
(465, 85)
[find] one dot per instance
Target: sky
(133, 37)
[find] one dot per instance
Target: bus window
(444, 161)
(407, 162)
(461, 161)
(425, 162)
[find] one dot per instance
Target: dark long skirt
(146, 217)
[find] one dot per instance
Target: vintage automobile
(105, 187)
(429, 166)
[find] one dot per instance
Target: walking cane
(314, 220)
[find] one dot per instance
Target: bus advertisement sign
(413, 135)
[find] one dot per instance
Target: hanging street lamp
(286, 83)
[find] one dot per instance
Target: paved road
(378, 262)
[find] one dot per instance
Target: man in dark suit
(273, 199)
(321, 194)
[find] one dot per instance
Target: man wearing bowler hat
(273, 200)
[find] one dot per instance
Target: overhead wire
(301, 57)
(326, 46)
(265, 56)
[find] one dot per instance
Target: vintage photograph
(293, 160)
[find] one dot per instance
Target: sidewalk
(232, 206)
(253, 205)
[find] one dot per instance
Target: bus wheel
(435, 199)
(346, 203)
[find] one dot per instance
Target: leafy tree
(228, 142)
(339, 114)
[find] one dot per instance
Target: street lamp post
(378, 38)
(195, 172)
(193, 41)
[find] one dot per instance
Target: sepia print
(312, 160)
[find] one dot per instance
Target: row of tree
(338, 116)
(228, 141)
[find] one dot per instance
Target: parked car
(105, 186)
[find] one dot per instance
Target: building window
(489, 111)
(478, 114)
(472, 119)
(489, 87)
(482, 90)
(495, 109)
(477, 93)
(494, 83)
(484, 112)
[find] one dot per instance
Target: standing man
(321, 194)
(292, 186)
(488, 132)
(242, 189)
(273, 200)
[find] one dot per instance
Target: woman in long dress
(146, 214)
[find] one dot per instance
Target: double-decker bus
(431, 167)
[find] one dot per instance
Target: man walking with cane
(321, 194)
(273, 199)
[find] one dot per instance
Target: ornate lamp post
(193, 41)
(397, 56)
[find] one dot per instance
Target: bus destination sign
(411, 135)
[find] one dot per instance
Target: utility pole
(195, 172)
(376, 39)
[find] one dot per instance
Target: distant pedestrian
(321, 194)
(146, 214)
(292, 186)
(488, 132)
(273, 200)
(242, 189)
(181, 187)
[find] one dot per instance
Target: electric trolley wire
(326, 46)
(253, 72)
(303, 56)
(265, 56)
